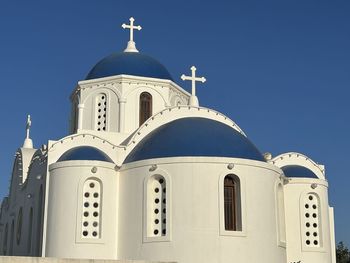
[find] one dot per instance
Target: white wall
(194, 233)
(65, 211)
(297, 250)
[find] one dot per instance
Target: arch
(145, 107)
(19, 226)
(156, 206)
(91, 205)
(300, 161)
(106, 90)
(232, 203)
(311, 229)
(30, 229)
(172, 114)
(144, 87)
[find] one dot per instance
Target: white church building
(148, 174)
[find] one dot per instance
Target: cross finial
(193, 78)
(28, 143)
(131, 44)
(28, 125)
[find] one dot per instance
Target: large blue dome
(129, 63)
(194, 137)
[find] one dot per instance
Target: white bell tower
(124, 90)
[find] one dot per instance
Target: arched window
(232, 203)
(30, 229)
(19, 226)
(91, 209)
(145, 107)
(311, 221)
(101, 112)
(156, 206)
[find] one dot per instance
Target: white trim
(167, 237)
(79, 209)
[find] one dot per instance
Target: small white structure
(146, 173)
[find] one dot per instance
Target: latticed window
(156, 206)
(101, 112)
(91, 217)
(145, 107)
(311, 221)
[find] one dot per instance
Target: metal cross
(193, 78)
(131, 27)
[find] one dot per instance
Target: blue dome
(194, 137)
(298, 171)
(129, 63)
(84, 153)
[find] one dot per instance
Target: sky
(279, 69)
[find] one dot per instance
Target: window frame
(142, 118)
(168, 235)
(241, 206)
(320, 219)
(79, 217)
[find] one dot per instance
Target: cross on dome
(131, 47)
(193, 78)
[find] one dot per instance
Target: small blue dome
(194, 137)
(298, 171)
(129, 63)
(86, 153)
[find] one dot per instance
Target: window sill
(233, 233)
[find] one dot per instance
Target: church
(146, 173)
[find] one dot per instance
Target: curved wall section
(82, 201)
(196, 227)
(307, 221)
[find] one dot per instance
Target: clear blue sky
(280, 69)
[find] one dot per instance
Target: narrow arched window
(29, 242)
(232, 207)
(156, 206)
(101, 112)
(19, 226)
(145, 107)
(311, 221)
(91, 209)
